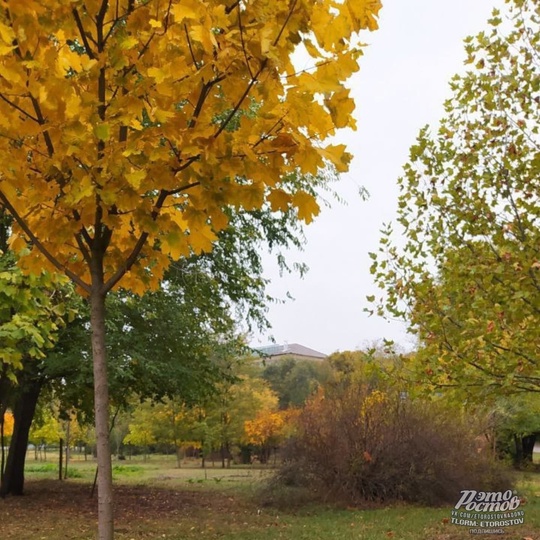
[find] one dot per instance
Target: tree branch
(132, 258)
(83, 35)
(34, 239)
(18, 108)
(230, 116)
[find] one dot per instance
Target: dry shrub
(365, 445)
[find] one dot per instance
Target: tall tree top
(127, 127)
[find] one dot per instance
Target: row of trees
(359, 411)
(249, 415)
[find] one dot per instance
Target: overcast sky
(401, 86)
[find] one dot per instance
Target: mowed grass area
(154, 500)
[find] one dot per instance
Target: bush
(365, 445)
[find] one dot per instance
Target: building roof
(290, 349)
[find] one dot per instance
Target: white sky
(402, 84)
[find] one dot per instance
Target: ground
(54, 510)
(154, 500)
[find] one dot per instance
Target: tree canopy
(467, 276)
(142, 121)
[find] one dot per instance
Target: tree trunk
(60, 458)
(524, 447)
(2, 444)
(67, 449)
(101, 405)
(23, 414)
(528, 448)
(3, 408)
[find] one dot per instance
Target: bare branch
(136, 251)
(285, 23)
(228, 9)
(42, 122)
(242, 40)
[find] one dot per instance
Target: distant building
(290, 350)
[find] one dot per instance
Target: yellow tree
(128, 126)
(6, 431)
(8, 424)
(269, 428)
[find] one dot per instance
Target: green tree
(175, 342)
(142, 427)
(294, 381)
(45, 428)
(33, 311)
(516, 424)
(221, 418)
(467, 276)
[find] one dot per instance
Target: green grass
(50, 469)
(41, 468)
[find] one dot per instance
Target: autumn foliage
(466, 279)
(269, 429)
(130, 126)
(8, 424)
(360, 444)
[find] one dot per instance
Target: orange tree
(127, 127)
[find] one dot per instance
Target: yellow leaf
(279, 200)
(311, 49)
(338, 156)
(6, 49)
(129, 43)
(158, 74)
(341, 107)
(266, 37)
(10, 74)
(135, 178)
(309, 160)
(201, 239)
(162, 116)
(307, 206)
(73, 106)
(219, 220)
(185, 10)
(6, 33)
(43, 94)
(363, 13)
(175, 244)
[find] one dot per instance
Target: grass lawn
(155, 500)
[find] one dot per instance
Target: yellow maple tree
(127, 127)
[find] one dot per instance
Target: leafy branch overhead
(467, 277)
(129, 127)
